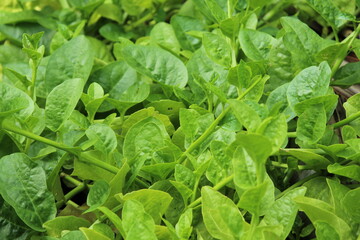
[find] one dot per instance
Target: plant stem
(72, 150)
(284, 165)
(298, 184)
(71, 194)
(70, 179)
(214, 124)
(346, 120)
(15, 129)
(217, 187)
(253, 224)
(291, 134)
(33, 80)
(340, 59)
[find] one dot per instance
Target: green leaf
(28, 194)
(72, 60)
(347, 75)
(11, 226)
(318, 210)
(14, 101)
(307, 41)
(155, 202)
(284, 211)
(258, 199)
(311, 125)
(184, 225)
(311, 159)
(325, 231)
(222, 218)
(78, 235)
(103, 136)
(135, 7)
(91, 234)
(331, 13)
(351, 171)
(121, 82)
(183, 24)
(352, 106)
(55, 226)
(153, 136)
(245, 114)
(220, 165)
(137, 223)
(60, 104)
(217, 49)
(275, 128)
(310, 82)
(211, 10)
(349, 203)
(98, 195)
(255, 44)
(115, 219)
(157, 64)
(163, 34)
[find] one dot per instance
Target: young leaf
(163, 34)
(351, 171)
(60, 104)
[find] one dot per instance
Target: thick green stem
(291, 134)
(72, 150)
(71, 194)
(253, 224)
(346, 120)
(70, 179)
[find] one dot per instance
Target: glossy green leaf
(350, 206)
(217, 49)
(352, 106)
(163, 34)
(351, 171)
(330, 12)
(14, 101)
(283, 211)
(184, 227)
(72, 60)
(103, 136)
(311, 125)
(245, 114)
(137, 223)
(311, 159)
(60, 104)
(255, 44)
(310, 82)
(28, 194)
(55, 226)
(11, 226)
(91, 234)
(222, 218)
(258, 199)
(157, 64)
(98, 195)
(318, 210)
(155, 202)
(347, 75)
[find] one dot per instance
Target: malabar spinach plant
(173, 119)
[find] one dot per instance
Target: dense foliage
(171, 119)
